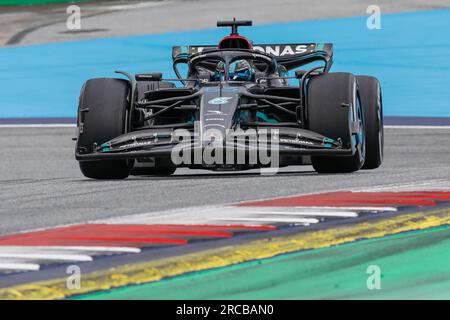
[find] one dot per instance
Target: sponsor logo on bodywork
(296, 141)
(219, 100)
(136, 144)
(283, 50)
(215, 113)
(277, 50)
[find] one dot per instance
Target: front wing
(162, 142)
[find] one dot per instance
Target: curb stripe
(19, 266)
(279, 212)
(274, 220)
(340, 209)
(340, 214)
(346, 198)
(93, 240)
(143, 240)
(156, 270)
(109, 235)
(68, 248)
(47, 256)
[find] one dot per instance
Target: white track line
(47, 256)
(315, 208)
(19, 266)
(203, 214)
(65, 249)
(417, 127)
(37, 125)
(288, 220)
(342, 214)
(99, 249)
(14, 258)
(371, 209)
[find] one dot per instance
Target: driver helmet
(239, 70)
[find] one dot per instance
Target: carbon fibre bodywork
(259, 114)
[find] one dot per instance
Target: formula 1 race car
(238, 105)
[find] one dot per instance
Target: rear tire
(327, 116)
(105, 102)
(370, 90)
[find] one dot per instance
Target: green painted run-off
(414, 265)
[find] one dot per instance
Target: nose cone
(218, 106)
(213, 137)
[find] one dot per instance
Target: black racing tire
(326, 115)
(370, 91)
(105, 102)
(163, 167)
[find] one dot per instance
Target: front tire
(102, 113)
(370, 90)
(327, 93)
(162, 167)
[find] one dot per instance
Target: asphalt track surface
(41, 185)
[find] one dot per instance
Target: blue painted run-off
(410, 55)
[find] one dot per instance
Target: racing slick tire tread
(106, 102)
(327, 116)
(370, 91)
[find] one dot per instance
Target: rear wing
(289, 55)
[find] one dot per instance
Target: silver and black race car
(237, 106)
